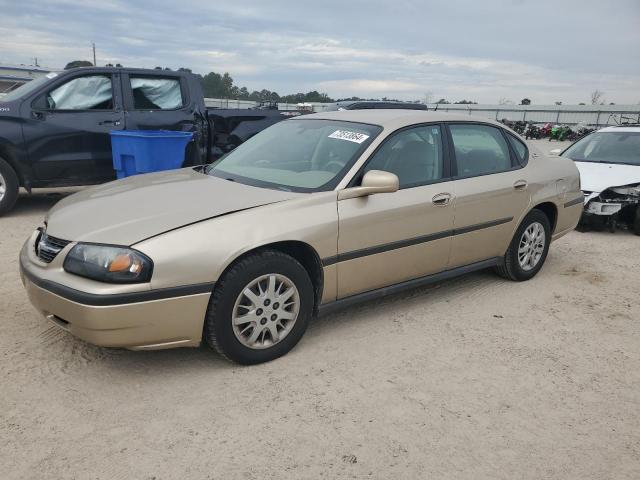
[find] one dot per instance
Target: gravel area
(472, 378)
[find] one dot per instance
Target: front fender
(200, 252)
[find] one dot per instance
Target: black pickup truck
(54, 131)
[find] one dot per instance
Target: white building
(12, 76)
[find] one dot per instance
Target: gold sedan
(311, 214)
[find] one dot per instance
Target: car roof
(397, 118)
(378, 102)
(621, 128)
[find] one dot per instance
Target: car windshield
(27, 88)
(607, 147)
(301, 155)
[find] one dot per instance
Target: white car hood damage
(597, 177)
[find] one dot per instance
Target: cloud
(456, 49)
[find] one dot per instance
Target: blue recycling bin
(143, 151)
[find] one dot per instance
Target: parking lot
(476, 377)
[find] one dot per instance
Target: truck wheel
(636, 222)
(9, 186)
(260, 308)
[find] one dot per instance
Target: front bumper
(601, 208)
(143, 319)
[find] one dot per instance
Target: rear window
(156, 93)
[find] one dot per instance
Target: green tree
(78, 63)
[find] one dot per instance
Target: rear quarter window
(520, 149)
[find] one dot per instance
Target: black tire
(636, 221)
(218, 330)
(510, 268)
(11, 185)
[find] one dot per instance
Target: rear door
(67, 134)
(162, 101)
(492, 192)
(392, 237)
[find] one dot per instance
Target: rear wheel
(528, 249)
(9, 186)
(260, 308)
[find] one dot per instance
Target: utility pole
(93, 45)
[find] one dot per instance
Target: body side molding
(398, 287)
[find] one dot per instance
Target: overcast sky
(481, 50)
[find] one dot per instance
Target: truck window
(156, 93)
(92, 92)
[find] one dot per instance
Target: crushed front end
(612, 208)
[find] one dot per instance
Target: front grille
(48, 247)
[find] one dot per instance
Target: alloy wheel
(531, 246)
(265, 311)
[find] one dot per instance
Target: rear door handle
(115, 123)
(442, 199)
(520, 185)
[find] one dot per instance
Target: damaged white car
(609, 164)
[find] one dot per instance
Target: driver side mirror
(374, 181)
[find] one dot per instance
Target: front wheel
(260, 308)
(528, 249)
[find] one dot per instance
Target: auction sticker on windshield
(349, 135)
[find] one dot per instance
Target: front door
(388, 238)
(67, 136)
(492, 192)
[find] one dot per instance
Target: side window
(83, 93)
(156, 93)
(414, 155)
(479, 150)
(522, 152)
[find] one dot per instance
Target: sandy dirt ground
(473, 378)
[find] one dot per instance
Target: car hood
(127, 211)
(597, 177)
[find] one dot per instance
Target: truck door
(163, 102)
(67, 131)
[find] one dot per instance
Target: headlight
(108, 264)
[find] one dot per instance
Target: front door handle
(442, 199)
(521, 185)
